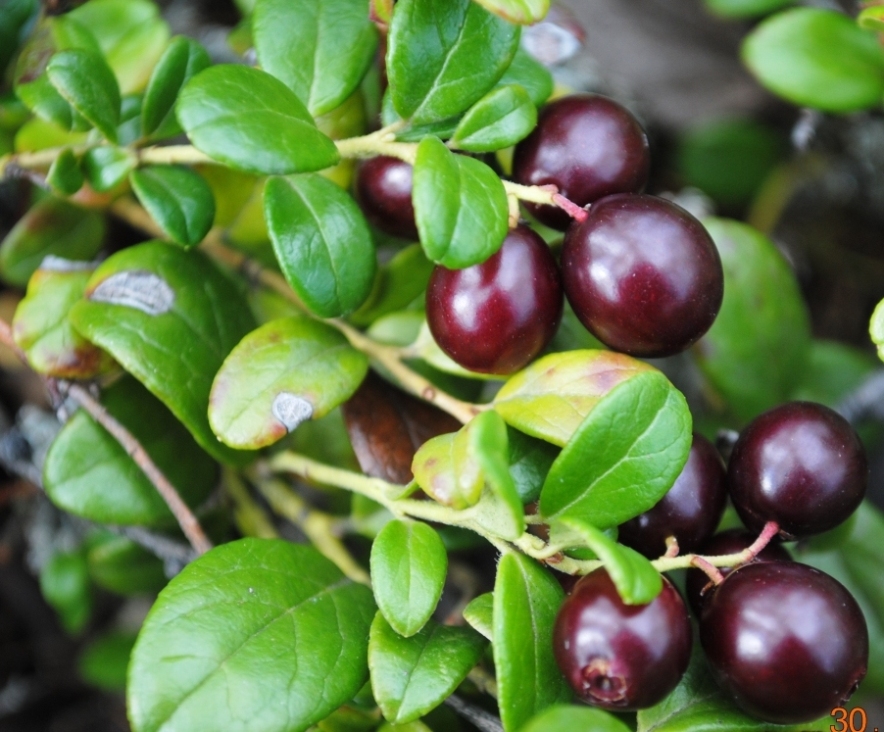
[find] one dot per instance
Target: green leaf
(523, 12)
(52, 226)
(397, 284)
(408, 568)
(89, 474)
(561, 717)
(531, 75)
(183, 59)
(250, 120)
(120, 565)
(320, 50)
(257, 634)
(499, 119)
(460, 206)
(876, 326)
(447, 470)
(105, 661)
(65, 175)
(132, 36)
(85, 81)
(871, 18)
(41, 327)
(64, 582)
(443, 55)
(698, 705)
(746, 8)
(758, 344)
(322, 242)
(178, 199)
(832, 370)
(624, 456)
(284, 373)
(106, 167)
(635, 578)
(526, 602)
(411, 676)
(143, 308)
(529, 462)
(553, 396)
(479, 613)
(14, 15)
(817, 58)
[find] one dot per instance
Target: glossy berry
(620, 656)
(801, 465)
(785, 641)
(698, 589)
(690, 510)
(496, 316)
(642, 275)
(383, 189)
(586, 145)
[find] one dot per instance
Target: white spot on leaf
(137, 289)
(51, 263)
(291, 410)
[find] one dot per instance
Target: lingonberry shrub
(304, 340)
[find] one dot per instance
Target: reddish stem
(770, 530)
(709, 570)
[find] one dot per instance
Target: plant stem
(250, 518)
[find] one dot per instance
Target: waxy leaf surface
(182, 60)
(571, 717)
(322, 243)
(65, 174)
(89, 474)
(411, 676)
(397, 284)
(443, 55)
(408, 567)
(460, 206)
(284, 373)
(448, 469)
(624, 456)
(178, 199)
(320, 50)
(107, 166)
(120, 565)
(523, 12)
(250, 120)
(257, 634)
(479, 613)
(170, 318)
(498, 120)
(85, 81)
(526, 602)
(531, 75)
(551, 398)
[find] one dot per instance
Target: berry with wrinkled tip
(586, 145)
(786, 642)
(383, 190)
(617, 656)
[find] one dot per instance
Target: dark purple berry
(785, 641)
(698, 587)
(496, 316)
(383, 189)
(801, 465)
(586, 145)
(690, 510)
(618, 656)
(642, 275)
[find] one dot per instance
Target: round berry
(801, 465)
(618, 656)
(698, 588)
(785, 641)
(642, 275)
(690, 510)
(496, 316)
(586, 145)
(383, 189)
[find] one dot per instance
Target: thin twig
(250, 518)
(484, 721)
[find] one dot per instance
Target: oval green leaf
(107, 166)
(479, 613)
(65, 175)
(531, 75)
(817, 58)
(183, 59)
(523, 12)
(397, 284)
(52, 226)
(257, 634)
(624, 456)
(89, 474)
(86, 82)
(871, 18)
(250, 120)
(142, 307)
(408, 568)
(447, 469)
(757, 347)
(178, 199)
(746, 8)
(411, 676)
(633, 575)
(322, 242)
(498, 120)
(64, 582)
(41, 327)
(284, 373)
(569, 717)
(319, 49)
(876, 326)
(443, 55)
(121, 566)
(526, 602)
(460, 206)
(552, 397)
